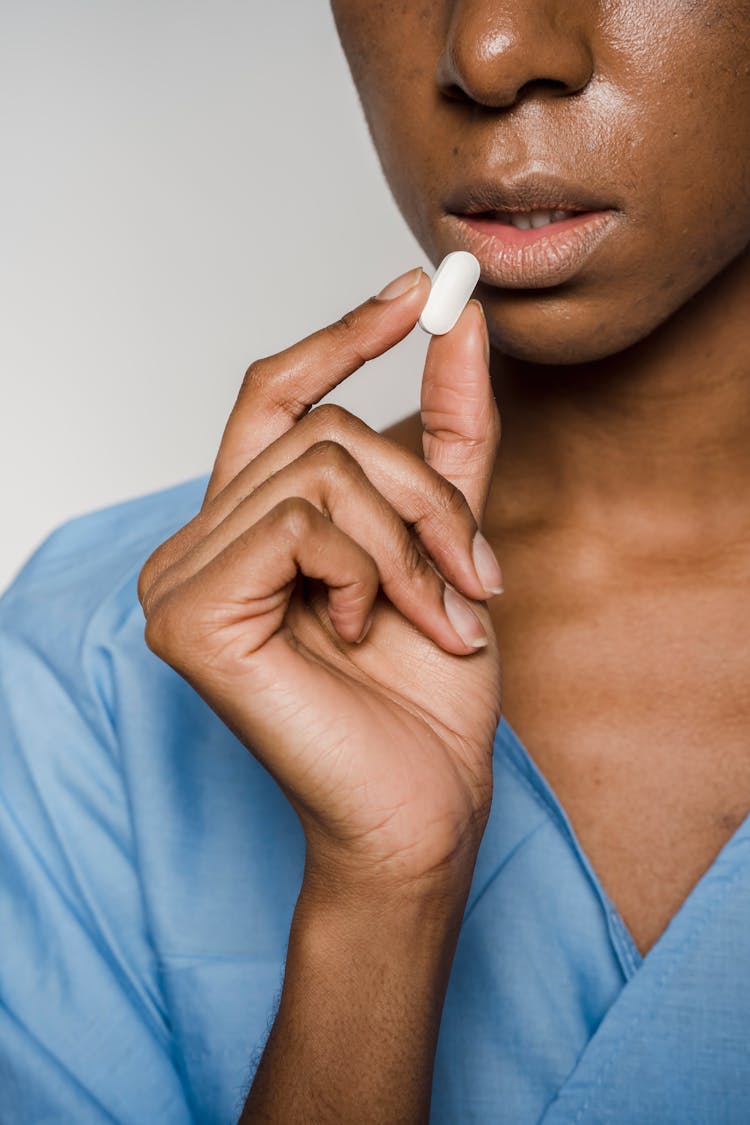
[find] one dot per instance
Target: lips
(531, 230)
(526, 192)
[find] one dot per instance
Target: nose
(496, 53)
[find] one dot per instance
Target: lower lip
(536, 258)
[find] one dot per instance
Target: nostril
(454, 93)
(494, 64)
(535, 85)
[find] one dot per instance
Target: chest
(635, 706)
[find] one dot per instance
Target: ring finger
(329, 477)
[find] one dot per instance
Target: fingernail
(365, 629)
(463, 619)
(474, 301)
(400, 285)
(486, 565)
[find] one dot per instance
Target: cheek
(676, 132)
(385, 45)
(392, 51)
(689, 156)
(667, 120)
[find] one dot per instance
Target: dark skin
(618, 502)
(333, 601)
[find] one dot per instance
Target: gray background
(184, 187)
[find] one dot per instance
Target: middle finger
(436, 510)
(327, 476)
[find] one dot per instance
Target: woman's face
(636, 110)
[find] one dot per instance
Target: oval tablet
(452, 286)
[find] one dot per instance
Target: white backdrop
(185, 186)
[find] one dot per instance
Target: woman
(542, 918)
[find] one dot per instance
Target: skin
(652, 331)
(616, 501)
(380, 739)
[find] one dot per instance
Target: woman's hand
(312, 525)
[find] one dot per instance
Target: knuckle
(144, 582)
(145, 597)
(163, 559)
(295, 515)
(149, 574)
(154, 594)
(252, 376)
(351, 334)
(346, 323)
(268, 384)
(164, 632)
(450, 500)
(331, 457)
(332, 420)
(257, 380)
(328, 418)
(414, 567)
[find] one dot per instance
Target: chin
(557, 351)
(554, 333)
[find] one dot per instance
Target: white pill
(452, 285)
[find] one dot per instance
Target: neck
(657, 435)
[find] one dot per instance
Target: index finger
(279, 389)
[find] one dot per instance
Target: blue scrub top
(149, 868)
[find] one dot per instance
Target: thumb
(459, 413)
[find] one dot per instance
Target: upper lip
(530, 191)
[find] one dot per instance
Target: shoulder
(75, 601)
(74, 901)
(90, 560)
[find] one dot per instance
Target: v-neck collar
(628, 954)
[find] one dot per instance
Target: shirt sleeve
(84, 1032)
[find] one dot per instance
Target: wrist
(382, 903)
(432, 879)
(367, 967)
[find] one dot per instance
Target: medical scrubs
(149, 868)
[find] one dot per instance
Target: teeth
(528, 220)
